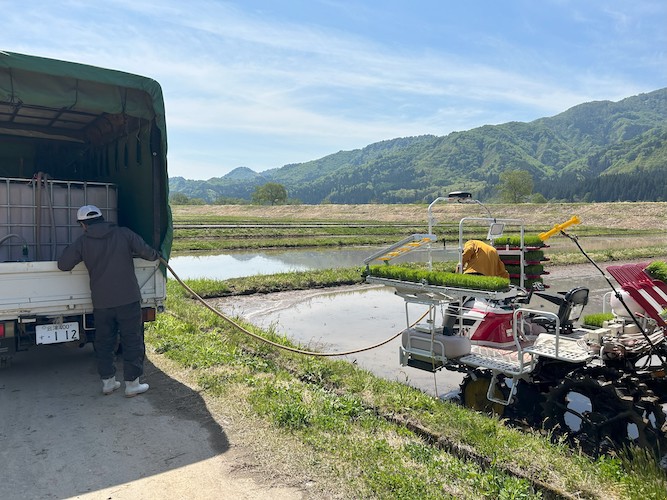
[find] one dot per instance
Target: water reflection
(343, 321)
(225, 266)
(238, 264)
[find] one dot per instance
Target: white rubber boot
(109, 385)
(133, 387)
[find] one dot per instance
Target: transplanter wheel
(597, 414)
(526, 408)
(474, 389)
(651, 408)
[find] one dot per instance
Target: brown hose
(38, 217)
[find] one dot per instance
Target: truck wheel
(5, 362)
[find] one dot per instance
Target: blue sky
(264, 83)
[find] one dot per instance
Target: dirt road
(61, 438)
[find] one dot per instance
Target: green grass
(611, 255)
(294, 280)
(377, 438)
(213, 244)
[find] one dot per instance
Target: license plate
(56, 333)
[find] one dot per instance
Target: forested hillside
(597, 151)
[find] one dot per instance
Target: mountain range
(596, 151)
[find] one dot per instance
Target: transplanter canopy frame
(650, 294)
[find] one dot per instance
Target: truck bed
(40, 288)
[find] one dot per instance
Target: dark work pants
(126, 321)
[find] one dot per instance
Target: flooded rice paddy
(238, 264)
(349, 318)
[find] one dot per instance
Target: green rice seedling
(536, 269)
(492, 283)
(441, 266)
(529, 240)
(437, 278)
(657, 270)
(597, 319)
(533, 256)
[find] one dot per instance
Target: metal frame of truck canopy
(80, 122)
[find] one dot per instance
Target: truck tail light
(6, 329)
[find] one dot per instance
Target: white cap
(88, 212)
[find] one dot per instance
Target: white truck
(73, 135)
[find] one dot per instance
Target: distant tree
(271, 193)
(515, 186)
(178, 199)
(183, 199)
(537, 198)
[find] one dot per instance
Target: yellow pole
(559, 227)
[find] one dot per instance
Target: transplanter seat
(570, 307)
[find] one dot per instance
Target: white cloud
(226, 70)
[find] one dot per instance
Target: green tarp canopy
(95, 109)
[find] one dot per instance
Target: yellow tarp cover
(480, 258)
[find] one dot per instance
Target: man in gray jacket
(107, 251)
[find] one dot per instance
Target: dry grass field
(622, 215)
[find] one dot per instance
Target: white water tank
(619, 310)
(43, 216)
